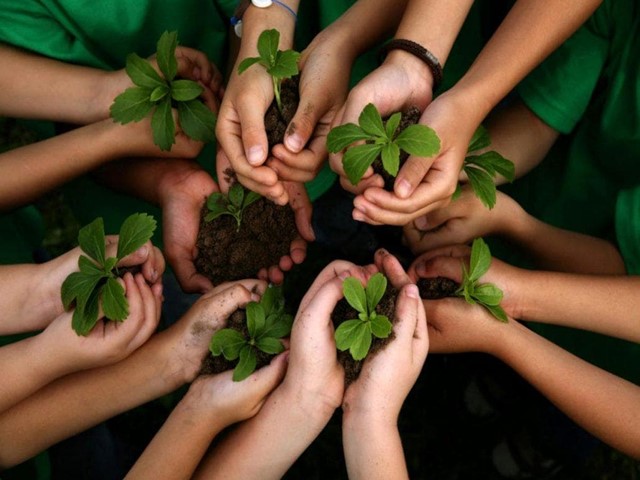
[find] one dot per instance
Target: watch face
(262, 3)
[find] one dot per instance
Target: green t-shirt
(589, 89)
(628, 228)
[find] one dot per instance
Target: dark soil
(226, 253)
(409, 117)
(343, 311)
(212, 365)
(436, 288)
(275, 122)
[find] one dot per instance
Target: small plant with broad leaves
(481, 169)
(96, 282)
(267, 324)
(160, 93)
(485, 294)
(382, 139)
(356, 335)
(234, 203)
(278, 63)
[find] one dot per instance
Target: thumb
(302, 125)
(264, 380)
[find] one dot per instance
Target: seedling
(234, 203)
(486, 294)
(356, 335)
(160, 93)
(481, 169)
(266, 323)
(279, 64)
(381, 140)
(97, 279)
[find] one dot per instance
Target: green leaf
(355, 294)
(166, 54)
(249, 198)
(392, 125)
(158, 93)
(114, 303)
(246, 365)
(132, 105)
(357, 159)
(479, 140)
(268, 43)
(488, 294)
(77, 285)
(215, 211)
(85, 316)
(361, 341)
(109, 264)
(457, 192)
(371, 121)
(197, 121)
(164, 130)
(142, 73)
(185, 90)
(493, 162)
(89, 267)
(236, 194)
(286, 65)
(346, 333)
(92, 241)
(480, 259)
(270, 345)
(376, 287)
(381, 326)
(270, 299)
(498, 312)
(419, 140)
(278, 325)
(247, 62)
(390, 155)
(227, 342)
(255, 319)
(482, 185)
(342, 136)
(135, 231)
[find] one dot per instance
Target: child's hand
(388, 376)
(447, 262)
(109, 341)
(227, 402)
(462, 220)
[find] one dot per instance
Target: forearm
(528, 34)
(76, 402)
(273, 439)
(603, 404)
(28, 172)
(255, 20)
(603, 304)
(42, 88)
(372, 449)
(176, 450)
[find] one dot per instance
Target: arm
(527, 35)
(549, 247)
(167, 361)
(582, 391)
(211, 404)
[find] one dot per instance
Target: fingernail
(412, 291)
(293, 143)
(255, 297)
(154, 276)
(255, 155)
(382, 251)
(421, 223)
(357, 215)
(143, 251)
(343, 275)
(403, 188)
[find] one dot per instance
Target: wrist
(419, 71)
(358, 419)
(317, 407)
(255, 20)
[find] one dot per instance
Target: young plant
(279, 64)
(381, 140)
(160, 93)
(356, 335)
(234, 203)
(486, 294)
(267, 323)
(97, 279)
(481, 169)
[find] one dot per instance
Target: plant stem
(276, 91)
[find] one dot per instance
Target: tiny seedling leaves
(381, 326)
(142, 72)
(361, 341)
(163, 126)
(375, 289)
(236, 195)
(227, 342)
(234, 203)
(270, 345)
(268, 43)
(166, 54)
(197, 121)
(371, 122)
(247, 62)
(185, 90)
(480, 259)
(354, 293)
(135, 231)
(345, 333)
(479, 140)
(255, 319)
(286, 65)
(392, 124)
(91, 240)
(246, 365)
(342, 136)
(357, 159)
(132, 105)
(482, 185)
(159, 93)
(419, 140)
(390, 156)
(114, 303)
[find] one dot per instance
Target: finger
(154, 267)
(391, 268)
(188, 277)
(406, 314)
(338, 269)
(384, 214)
(318, 308)
(449, 267)
(276, 276)
(264, 380)
(275, 193)
(254, 136)
(193, 64)
(286, 263)
(304, 121)
(253, 285)
(225, 303)
(361, 217)
(302, 209)
(298, 250)
(151, 316)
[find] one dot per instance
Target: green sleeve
(628, 228)
(560, 89)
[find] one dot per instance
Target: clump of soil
(226, 253)
(212, 365)
(437, 288)
(343, 311)
(275, 122)
(410, 116)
